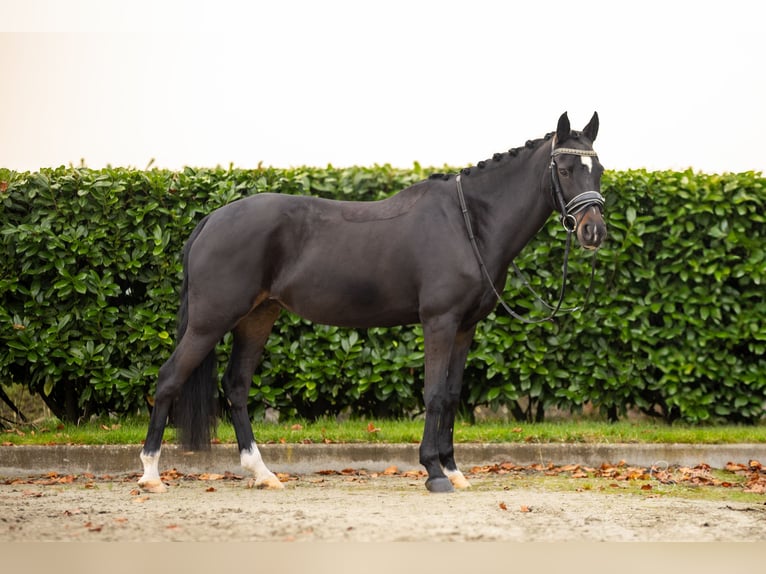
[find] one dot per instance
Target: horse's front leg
(454, 383)
(439, 338)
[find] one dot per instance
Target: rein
(568, 221)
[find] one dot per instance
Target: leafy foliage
(90, 269)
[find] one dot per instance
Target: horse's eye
(563, 172)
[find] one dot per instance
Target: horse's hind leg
(188, 355)
(250, 337)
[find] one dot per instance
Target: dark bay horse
(402, 260)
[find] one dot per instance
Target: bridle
(568, 212)
(578, 203)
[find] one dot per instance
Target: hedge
(90, 271)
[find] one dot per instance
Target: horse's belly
(358, 303)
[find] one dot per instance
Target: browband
(572, 151)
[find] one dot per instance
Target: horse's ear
(591, 130)
(563, 129)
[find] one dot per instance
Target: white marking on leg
(251, 460)
(587, 162)
(150, 481)
(457, 479)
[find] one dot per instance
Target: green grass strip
(132, 431)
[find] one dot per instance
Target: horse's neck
(512, 206)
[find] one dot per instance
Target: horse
(433, 253)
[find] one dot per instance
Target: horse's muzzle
(591, 229)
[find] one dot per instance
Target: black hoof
(441, 484)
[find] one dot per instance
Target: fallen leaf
(391, 470)
(210, 489)
(94, 527)
(210, 476)
(415, 473)
(525, 508)
(296, 427)
(646, 487)
(503, 506)
(371, 428)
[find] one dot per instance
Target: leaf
(630, 215)
(371, 428)
(503, 506)
(211, 476)
(525, 508)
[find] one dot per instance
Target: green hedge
(90, 270)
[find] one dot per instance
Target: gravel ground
(368, 508)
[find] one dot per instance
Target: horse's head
(576, 181)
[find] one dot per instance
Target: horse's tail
(194, 412)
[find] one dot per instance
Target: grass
(132, 431)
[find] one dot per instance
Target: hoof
(154, 486)
(459, 481)
(270, 483)
(439, 485)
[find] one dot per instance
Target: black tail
(194, 411)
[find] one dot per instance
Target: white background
(299, 82)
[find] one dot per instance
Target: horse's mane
(498, 157)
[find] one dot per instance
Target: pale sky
(677, 84)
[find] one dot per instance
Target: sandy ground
(376, 508)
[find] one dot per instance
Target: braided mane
(498, 157)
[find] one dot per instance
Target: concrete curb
(304, 459)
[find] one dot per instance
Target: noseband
(578, 203)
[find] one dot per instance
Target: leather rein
(568, 221)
